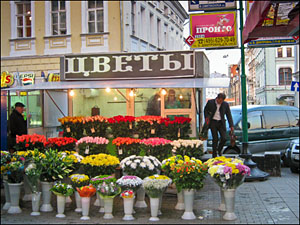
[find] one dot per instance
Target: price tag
(227, 176)
(130, 126)
(68, 129)
(93, 130)
(120, 151)
(87, 150)
(152, 131)
(178, 132)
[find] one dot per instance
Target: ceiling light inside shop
(115, 98)
(131, 93)
(163, 91)
(72, 93)
(180, 96)
(107, 89)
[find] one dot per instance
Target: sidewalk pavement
(273, 201)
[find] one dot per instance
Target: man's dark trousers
(215, 127)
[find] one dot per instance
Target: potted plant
(127, 146)
(61, 143)
(229, 176)
(95, 126)
(155, 186)
(33, 175)
(77, 181)
(188, 175)
(191, 148)
(72, 126)
(108, 191)
(30, 141)
(177, 128)
(141, 166)
(86, 192)
(92, 145)
(148, 126)
(128, 200)
(61, 190)
(129, 183)
(158, 147)
(5, 159)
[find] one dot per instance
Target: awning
(154, 83)
(272, 19)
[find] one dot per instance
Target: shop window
(147, 102)
(95, 17)
(178, 98)
(285, 76)
(58, 18)
(279, 52)
(288, 52)
(23, 16)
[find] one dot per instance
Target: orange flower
(86, 191)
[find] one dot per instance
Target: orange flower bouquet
(86, 191)
(148, 126)
(95, 126)
(127, 146)
(72, 126)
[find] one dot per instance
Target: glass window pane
(28, 20)
(62, 5)
(62, 26)
(35, 109)
(19, 8)
(20, 32)
(91, 16)
(99, 4)
(99, 15)
(63, 31)
(54, 18)
(63, 17)
(91, 26)
(55, 30)
(147, 102)
(20, 21)
(272, 121)
(178, 98)
(28, 8)
(91, 4)
(100, 27)
(28, 31)
(54, 5)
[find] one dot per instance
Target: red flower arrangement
(122, 126)
(127, 146)
(30, 142)
(180, 127)
(148, 126)
(61, 143)
(86, 191)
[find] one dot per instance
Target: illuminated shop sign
(7, 79)
(53, 77)
(27, 78)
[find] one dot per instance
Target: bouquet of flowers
(141, 166)
(191, 148)
(156, 184)
(228, 174)
(129, 182)
(72, 126)
(72, 156)
(15, 169)
(95, 126)
(61, 143)
(122, 126)
(108, 190)
(79, 180)
(127, 146)
(63, 189)
(127, 194)
(95, 165)
(180, 127)
(148, 126)
(5, 159)
(86, 191)
(96, 181)
(169, 163)
(188, 173)
(33, 174)
(158, 147)
(92, 145)
(30, 141)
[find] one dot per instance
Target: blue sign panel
(295, 86)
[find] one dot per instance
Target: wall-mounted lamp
(107, 89)
(131, 93)
(163, 91)
(115, 98)
(180, 96)
(71, 93)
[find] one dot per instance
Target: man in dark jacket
(214, 113)
(17, 124)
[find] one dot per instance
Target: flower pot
(108, 208)
(68, 200)
(35, 202)
(7, 196)
(154, 205)
(188, 204)
(78, 202)
(97, 201)
(180, 201)
(101, 203)
(229, 197)
(14, 193)
(128, 208)
(85, 203)
(140, 198)
(61, 202)
(222, 204)
(46, 196)
(27, 196)
(159, 207)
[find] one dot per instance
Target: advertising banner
(214, 30)
(211, 5)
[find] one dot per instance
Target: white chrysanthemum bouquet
(156, 185)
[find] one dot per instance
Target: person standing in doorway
(17, 124)
(214, 113)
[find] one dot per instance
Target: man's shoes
(220, 153)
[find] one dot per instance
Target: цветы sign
(128, 65)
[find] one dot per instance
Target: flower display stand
(78, 202)
(188, 204)
(61, 202)
(160, 202)
(97, 201)
(85, 202)
(154, 205)
(7, 196)
(180, 201)
(27, 196)
(46, 196)
(14, 192)
(128, 208)
(35, 202)
(222, 204)
(108, 208)
(229, 196)
(140, 198)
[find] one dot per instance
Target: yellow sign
(53, 77)
(7, 79)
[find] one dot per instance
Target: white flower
(151, 167)
(137, 160)
(128, 163)
(133, 165)
(143, 165)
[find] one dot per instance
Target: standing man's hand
(231, 129)
(207, 120)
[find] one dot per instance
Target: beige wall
(39, 27)
(114, 25)
(5, 28)
(76, 26)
